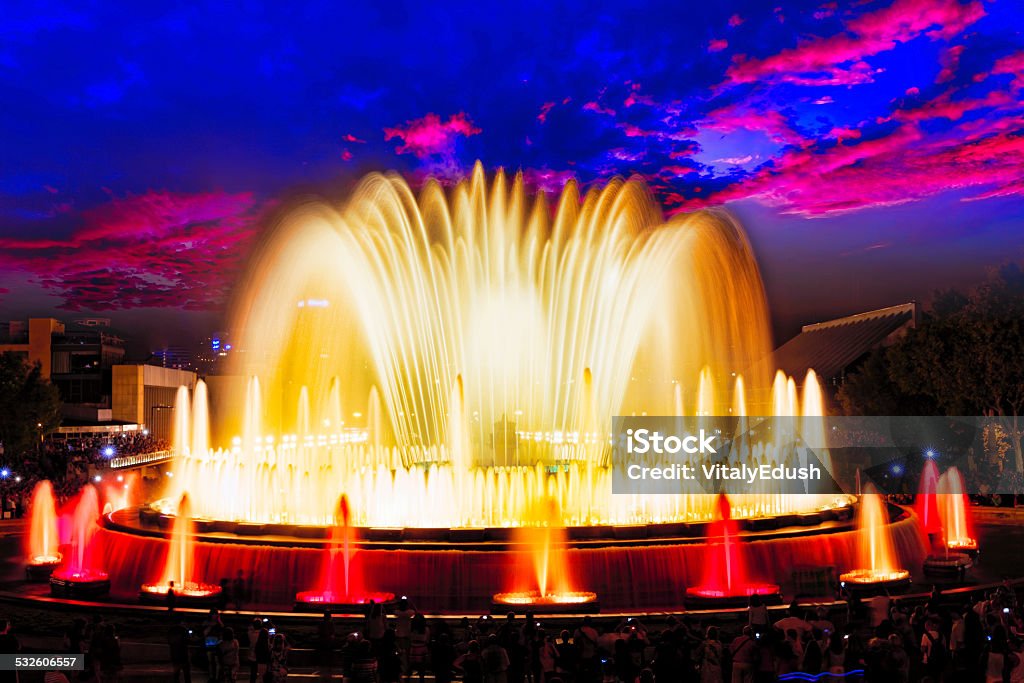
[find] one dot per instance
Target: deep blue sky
(873, 150)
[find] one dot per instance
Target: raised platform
(90, 584)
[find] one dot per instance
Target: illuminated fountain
(926, 505)
(340, 586)
(546, 562)
(118, 494)
(878, 567)
(956, 528)
(79, 574)
(43, 538)
(179, 574)
(956, 545)
(450, 360)
(545, 322)
(726, 579)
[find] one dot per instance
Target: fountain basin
(39, 568)
(966, 546)
(704, 597)
(652, 573)
(191, 594)
(318, 601)
(575, 602)
(948, 566)
(874, 581)
(88, 583)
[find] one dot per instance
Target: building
(85, 360)
(144, 394)
(173, 357)
(32, 339)
(836, 347)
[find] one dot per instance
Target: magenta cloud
(840, 59)
(158, 249)
(430, 136)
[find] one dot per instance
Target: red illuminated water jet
(546, 564)
(178, 571)
(43, 539)
(79, 574)
(340, 585)
(927, 506)
(725, 575)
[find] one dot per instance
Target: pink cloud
(735, 117)
(839, 59)
(1011, 64)
(636, 97)
(545, 108)
(950, 60)
(981, 158)
(735, 20)
(598, 109)
(717, 45)
(429, 136)
(159, 249)
(945, 107)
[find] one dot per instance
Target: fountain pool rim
(149, 521)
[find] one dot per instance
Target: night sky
(873, 150)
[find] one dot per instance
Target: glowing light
(954, 512)
(725, 574)
(80, 565)
(179, 567)
(43, 539)
(459, 321)
(108, 452)
(877, 562)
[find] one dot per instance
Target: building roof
(830, 347)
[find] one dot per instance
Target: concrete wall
(144, 394)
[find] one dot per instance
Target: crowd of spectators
(66, 460)
(943, 638)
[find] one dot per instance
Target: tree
(966, 357)
(29, 406)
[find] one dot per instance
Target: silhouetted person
(364, 665)
(325, 643)
(171, 597)
(470, 664)
(442, 658)
(177, 645)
